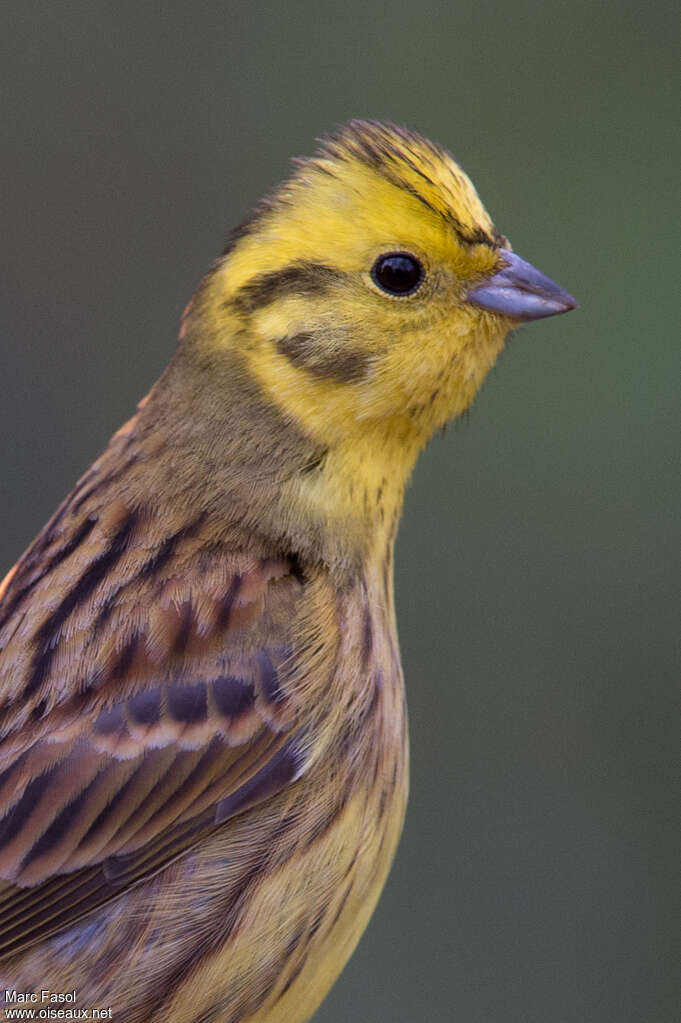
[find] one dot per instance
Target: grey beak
(521, 292)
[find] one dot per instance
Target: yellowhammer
(204, 740)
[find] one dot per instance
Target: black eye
(398, 273)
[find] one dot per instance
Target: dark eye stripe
(294, 279)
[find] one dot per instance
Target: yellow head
(366, 300)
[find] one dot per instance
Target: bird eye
(398, 273)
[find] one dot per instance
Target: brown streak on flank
(294, 942)
(295, 279)
(306, 352)
(233, 911)
(367, 638)
(297, 970)
(341, 906)
(386, 577)
(319, 916)
(373, 702)
(323, 825)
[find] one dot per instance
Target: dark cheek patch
(311, 352)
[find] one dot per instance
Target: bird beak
(521, 292)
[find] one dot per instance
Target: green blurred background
(537, 562)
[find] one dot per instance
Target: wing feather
(151, 687)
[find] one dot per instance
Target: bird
(204, 745)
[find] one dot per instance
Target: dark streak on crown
(306, 351)
(373, 143)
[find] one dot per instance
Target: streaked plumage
(204, 752)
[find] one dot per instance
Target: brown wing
(151, 682)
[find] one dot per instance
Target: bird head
(365, 300)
